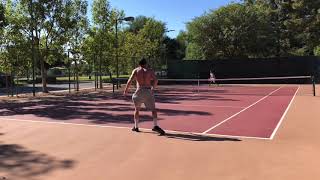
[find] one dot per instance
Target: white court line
(284, 114)
(240, 111)
(129, 128)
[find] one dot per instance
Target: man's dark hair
(143, 62)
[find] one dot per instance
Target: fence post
(313, 85)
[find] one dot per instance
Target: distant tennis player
(146, 84)
(212, 78)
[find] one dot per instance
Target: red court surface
(245, 112)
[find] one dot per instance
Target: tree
(235, 30)
(15, 49)
(103, 39)
(182, 40)
(143, 37)
(194, 52)
(255, 28)
(47, 23)
(153, 34)
(295, 25)
(2, 16)
(303, 24)
(137, 24)
(78, 25)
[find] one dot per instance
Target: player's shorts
(212, 80)
(144, 95)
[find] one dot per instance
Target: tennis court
(233, 110)
(211, 132)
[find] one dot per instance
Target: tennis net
(256, 84)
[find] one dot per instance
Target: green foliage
(171, 49)
(317, 51)
(143, 38)
(59, 28)
(182, 40)
(256, 28)
(253, 28)
(14, 51)
(51, 24)
(137, 24)
(2, 16)
(194, 52)
(101, 12)
(232, 31)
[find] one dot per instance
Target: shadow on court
(27, 89)
(17, 163)
(98, 108)
(195, 137)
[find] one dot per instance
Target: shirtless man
(146, 83)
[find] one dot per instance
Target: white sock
(155, 122)
(136, 124)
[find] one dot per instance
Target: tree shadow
(28, 89)
(17, 162)
(178, 97)
(96, 108)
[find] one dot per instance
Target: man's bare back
(144, 77)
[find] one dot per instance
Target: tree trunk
(76, 75)
(90, 70)
(28, 77)
(41, 61)
(100, 70)
(17, 86)
(11, 83)
(7, 84)
(43, 76)
(94, 70)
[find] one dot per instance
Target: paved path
(51, 87)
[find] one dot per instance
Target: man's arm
(155, 80)
(132, 77)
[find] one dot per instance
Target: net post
(313, 85)
(198, 83)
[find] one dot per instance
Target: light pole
(129, 18)
(69, 73)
